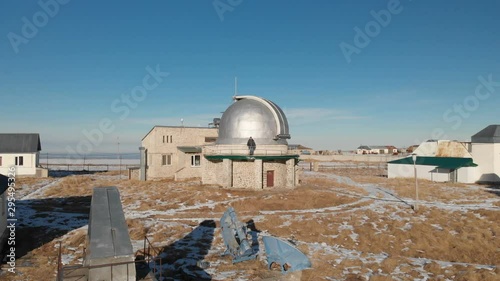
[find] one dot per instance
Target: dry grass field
(353, 224)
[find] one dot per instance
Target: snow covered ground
(366, 232)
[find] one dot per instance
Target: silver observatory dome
(255, 117)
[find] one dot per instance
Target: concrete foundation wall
(42, 173)
(134, 173)
(124, 272)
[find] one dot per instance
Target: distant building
(300, 149)
(411, 148)
(374, 149)
(22, 151)
(454, 161)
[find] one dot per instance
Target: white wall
(29, 163)
(406, 171)
(468, 174)
(487, 157)
(465, 175)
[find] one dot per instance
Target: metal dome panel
(254, 117)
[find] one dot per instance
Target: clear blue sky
(410, 81)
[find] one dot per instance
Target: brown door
(270, 178)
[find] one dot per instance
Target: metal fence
(92, 163)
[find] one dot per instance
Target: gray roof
(490, 134)
(108, 230)
(372, 147)
(20, 143)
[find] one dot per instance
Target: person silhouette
(251, 145)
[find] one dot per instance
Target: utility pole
(414, 157)
(119, 157)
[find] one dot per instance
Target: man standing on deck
(251, 145)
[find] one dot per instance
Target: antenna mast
(235, 86)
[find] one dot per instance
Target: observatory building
(219, 154)
(228, 162)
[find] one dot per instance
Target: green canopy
(451, 163)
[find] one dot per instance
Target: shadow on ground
(65, 173)
(40, 221)
(180, 260)
(254, 232)
(493, 189)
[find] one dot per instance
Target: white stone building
(23, 152)
(174, 152)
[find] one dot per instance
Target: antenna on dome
(235, 86)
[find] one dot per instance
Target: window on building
(210, 139)
(19, 161)
(170, 138)
(195, 160)
(0, 161)
(163, 139)
(166, 159)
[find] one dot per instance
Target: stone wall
(211, 171)
(134, 173)
(279, 169)
(243, 174)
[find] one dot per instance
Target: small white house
(22, 151)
